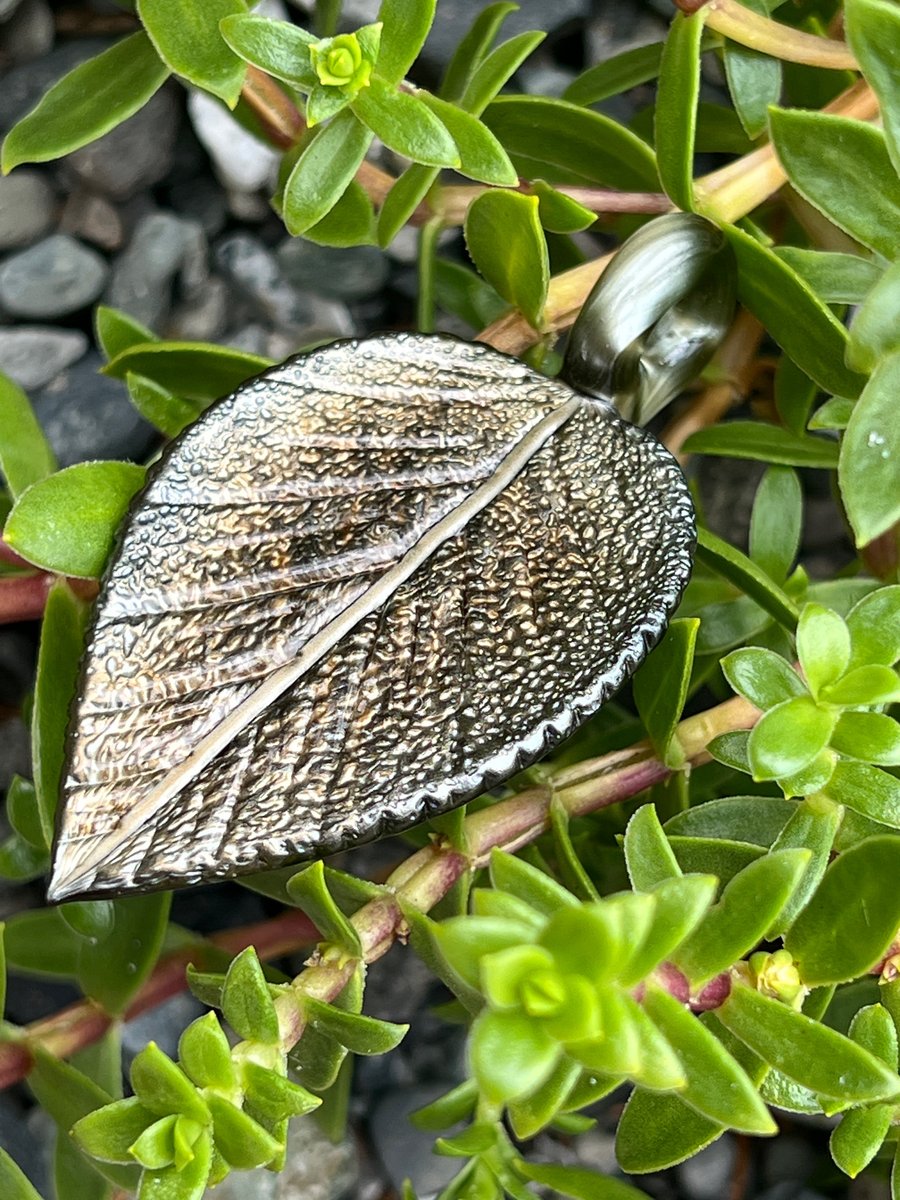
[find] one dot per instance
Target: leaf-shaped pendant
(372, 582)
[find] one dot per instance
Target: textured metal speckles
(369, 584)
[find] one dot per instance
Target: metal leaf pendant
(372, 582)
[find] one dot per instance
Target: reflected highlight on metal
(377, 580)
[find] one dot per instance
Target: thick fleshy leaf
(495, 69)
(875, 331)
(25, 455)
(777, 520)
(511, 1055)
(528, 884)
(186, 34)
(41, 943)
(788, 737)
(163, 1088)
(833, 940)
(87, 102)
(823, 646)
(403, 199)
(812, 826)
(578, 1182)
(874, 624)
(404, 30)
(246, 1002)
(255, 545)
(764, 443)
(473, 48)
(762, 677)
(505, 241)
(480, 154)
(679, 906)
(169, 413)
(111, 971)
(109, 1133)
(117, 331)
(661, 686)
(738, 569)
(873, 30)
(872, 737)
(676, 107)
(361, 1035)
(406, 125)
(324, 170)
(648, 855)
(835, 278)
(870, 453)
(67, 522)
(754, 79)
(196, 370)
(843, 168)
(872, 793)
(276, 47)
(616, 74)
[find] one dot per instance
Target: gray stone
(33, 354)
(86, 415)
(28, 33)
(240, 161)
(315, 1169)
(27, 206)
(24, 85)
(254, 270)
(163, 1024)
(7, 8)
(90, 216)
(203, 318)
(252, 339)
(789, 1157)
(15, 746)
(134, 155)
(17, 658)
(202, 200)
(18, 1138)
(144, 273)
(57, 276)
(706, 1176)
(354, 273)
(250, 208)
(407, 1152)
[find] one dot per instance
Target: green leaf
(614, 75)
(859, 1136)
(24, 814)
(275, 1097)
(762, 677)
(796, 318)
(755, 819)
(535, 1112)
(511, 1055)
(62, 641)
(562, 143)
(95, 97)
(676, 107)
(815, 1056)
(187, 1183)
(167, 412)
(204, 1053)
(406, 125)
(872, 737)
(714, 856)
(480, 154)
(648, 855)
(813, 826)
(112, 971)
(193, 370)
(495, 69)
(873, 793)
(67, 522)
(823, 646)
(41, 943)
(117, 331)
(90, 918)
(842, 167)
(308, 889)
(631, 1045)
(108, 1133)
(456, 1105)
(763, 443)
(851, 920)
(404, 30)
(738, 569)
(426, 939)
(351, 222)
(754, 80)
(717, 1086)
(403, 199)
(464, 941)
(559, 213)
(276, 47)
(324, 170)
(749, 904)
(835, 278)
(505, 241)
(577, 1181)
(25, 455)
(870, 450)
(875, 331)
(679, 906)
(873, 30)
(155, 1147)
(777, 521)
(361, 1035)
(186, 36)
(239, 1139)
(874, 624)
(661, 686)
(246, 1003)
(471, 51)
(14, 1184)
(788, 737)
(527, 883)
(864, 685)
(163, 1088)
(833, 414)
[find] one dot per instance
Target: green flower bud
(339, 62)
(776, 975)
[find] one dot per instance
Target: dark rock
(241, 161)
(19, 1140)
(255, 272)
(15, 740)
(33, 354)
(28, 33)
(201, 200)
(27, 207)
(354, 273)
(789, 1157)
(163, 1024)
(144, 274)
(204, 318)
(90, 216)
(134, 155)
(24, 85)
(86, 415)
(7, 8)
(252, 339)
(17, 656)
(53, 278)
(407, 1152)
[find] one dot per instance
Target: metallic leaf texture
(371, 583)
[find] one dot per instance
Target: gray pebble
(143, 275)
(706, 1176)
(315, 1169)
(16, 669)
(203, 318)
(241, 162)
(134, 155)
(252, 339)
(55, 277)
(27, 206)
(163, 1024)
(7, 8)
(33, 354)
(20, 1140)
(15, 746)
(86, 415)
(354, 273)
(407, 1152)
(254, 269)
(90, 216)
(789, 1157)
(24, 85)
(201, 200)
(28, 33)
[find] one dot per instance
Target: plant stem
(84, 1022)
(428, 236)
(454, 201)
(428, 875)
(733, 20)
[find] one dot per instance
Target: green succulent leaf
(170, 414)
(788, 737)
(559, 213)
(108, 1133)
(648, 855)
(614, 75)
(864, 685)
(676, 107)
(187, 38)
(495, 69)
(823, 646)
(813, 826)
(505, 241)
(362, 1035)
(872, 737)
(535, 1112)
(163, 1088)
(246, 1002)
(194, 370)
(874, 624)
(14, 1184)
(661, 687)
(754, 80)
(529, 884)
(763, 443)
(480, 154)
(276, 47)
(112, 970)
(117, 331)
(205, 1055)
(577, 1181)
(511, 1055)
(870, 449)
(404, 30)
(473, 48)
(274, 1097)
(762, 677)
(185, 1183)
(875, 331)
(40, 942)
(309, 890)
(679, 907)
(90, 100)
(836, 278)
(866, 790)
(873, 30)
(859, 1137)
(464, 941)
(324, 170)
(241, 1141)
(776, 522)
(25, 455)
(738, 569)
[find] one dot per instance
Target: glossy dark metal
(374, 581)
(655, 316)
